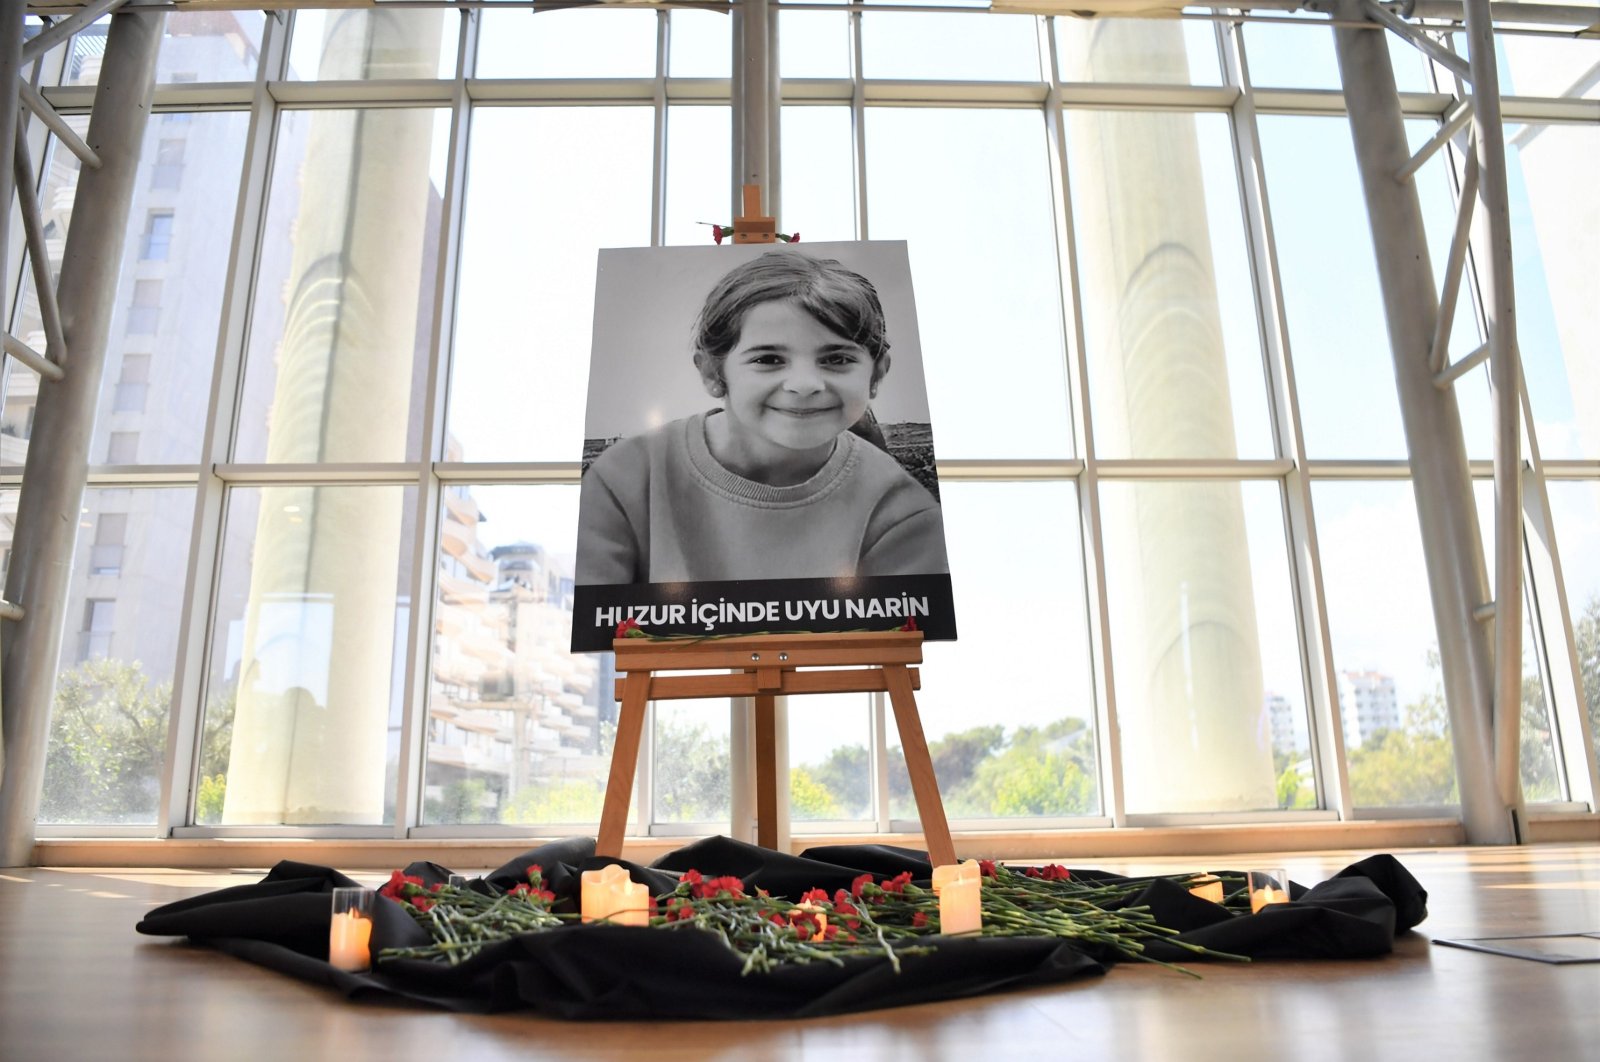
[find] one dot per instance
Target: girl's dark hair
(843, 300)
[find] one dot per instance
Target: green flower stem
(885, 920)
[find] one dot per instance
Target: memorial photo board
(758, 453)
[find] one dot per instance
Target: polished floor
(76, 982)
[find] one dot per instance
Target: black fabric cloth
(622, 972)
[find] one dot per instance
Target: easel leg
(919, 765)
(766, 771)
(624, 764)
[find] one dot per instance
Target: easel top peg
(751, 226)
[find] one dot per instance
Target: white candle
(1260, 898)
(608, 893)
(818, 914)
(953, 872)
(349, 938)
(959, 889)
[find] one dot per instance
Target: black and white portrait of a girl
(757, 413)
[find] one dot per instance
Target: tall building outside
(1368, 704)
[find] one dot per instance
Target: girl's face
(793, 384)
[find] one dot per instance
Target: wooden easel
(764, 666)
(752, 226)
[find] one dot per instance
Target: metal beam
(54, 477)
(1499, 305)
(58, 32)
(1452, 550)
(8, 611)
(10, 73)
(1454, 122)
(1455, 266)
(32, 358)
(44, 287)
(1418, 39)
(57, 124)
(1444, 378)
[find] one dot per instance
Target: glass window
(21, 385)
(1541, 778)
(1009, 738)
(342, 310)
(1204, 650)
(157, 240)
(195, 46)
(99, 622)
(1174, 354)
(145, 312)
(830, 772)
(302, 709)
(133, 385)
(1397, 728)
(988, 280)
(108, 722)
(1575, 512)
(701, 43)
(110, 537)
(21, 394)
(351, 45)
(519, 728)
(87, 50)
(570, 43)
(1555, 219)
(546, 188)
(1343, 369)
(692, 765)
(210, 46)
(950, 47)
(1138, 51)
(1545, 65)
(1303, 57)
(122, 448)
(699, 160)
(8, 525)
(813, 43)
(819, 184)
(167, 172)
(173, 285)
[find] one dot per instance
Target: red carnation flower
(716, 886)
(987, 868)
(919, 919)
(401, 886)
(898, 883)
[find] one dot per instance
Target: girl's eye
(840, 360)
(767, 359)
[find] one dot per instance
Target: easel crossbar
(749, 684)
(808, 650)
